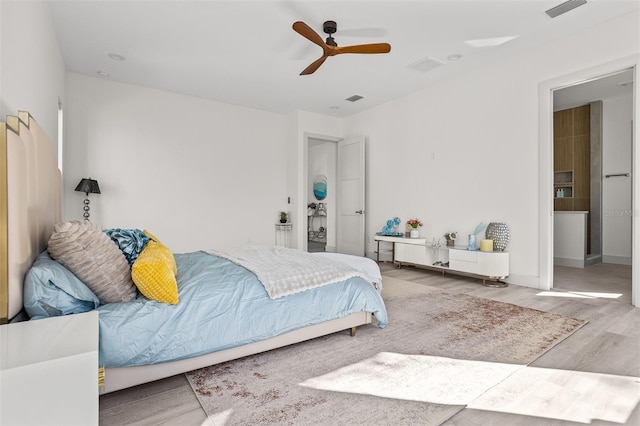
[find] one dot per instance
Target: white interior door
(350, 237)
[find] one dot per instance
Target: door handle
(359, 211)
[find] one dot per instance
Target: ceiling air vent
(426, 64)
(354, 98)
(564, 7)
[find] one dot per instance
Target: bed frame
(31, 204)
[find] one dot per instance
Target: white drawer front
(463, 255)
(412, 253)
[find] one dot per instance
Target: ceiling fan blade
(365, 48)
(307, 32)
(314, 66)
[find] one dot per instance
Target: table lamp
(88, 185)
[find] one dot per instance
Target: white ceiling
(246, 53)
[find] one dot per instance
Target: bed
(224, 311)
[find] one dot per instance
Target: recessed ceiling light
(116, 57)
(490, 42)
(104, 74)
(454, 57)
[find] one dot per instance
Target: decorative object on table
(391, 228)
(435, 246)
(320, 187)
(472, 242)
(450, 237)
(486, 245)
(283, 217)
(472, 237)
(414, 224)
(499, 233)
(88, 186)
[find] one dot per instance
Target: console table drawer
(491, 264)
(411, 253)
(463, 255)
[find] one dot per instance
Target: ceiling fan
(330, 47)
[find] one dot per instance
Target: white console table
(492, 266)
(49, 371)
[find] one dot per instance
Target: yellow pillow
(171, 259)
(154, 272)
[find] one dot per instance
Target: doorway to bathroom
(592, 187)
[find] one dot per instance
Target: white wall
(466, 151)
(198, 174)
(616, 191)
(31, 65)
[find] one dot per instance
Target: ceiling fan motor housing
(330, 27)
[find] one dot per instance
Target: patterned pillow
(154, 272)
(130, 241)
(92, 257)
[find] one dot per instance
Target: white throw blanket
(285, 271)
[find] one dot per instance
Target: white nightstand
(49, 371)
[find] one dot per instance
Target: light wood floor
(598, 356)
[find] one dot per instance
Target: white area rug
(439, 352)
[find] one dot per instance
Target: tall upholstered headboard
(30, 203)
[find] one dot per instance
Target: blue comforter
(222, 305)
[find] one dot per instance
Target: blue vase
(472, 242)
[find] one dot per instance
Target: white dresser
(49, 371)
(492, 266)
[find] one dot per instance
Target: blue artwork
(391, 228)
(320, 187)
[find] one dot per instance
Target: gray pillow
(94, 258)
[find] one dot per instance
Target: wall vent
(354, 98)
(426, 64)
(564, 7)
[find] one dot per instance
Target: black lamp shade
(88, 186)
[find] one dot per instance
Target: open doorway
(321, 194)
(592, 170)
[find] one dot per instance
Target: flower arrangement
(451, 237)
(414, 223)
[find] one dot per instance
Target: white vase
(414, 233)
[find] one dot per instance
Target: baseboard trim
(618, 260)
(523, 280)
(572, 263)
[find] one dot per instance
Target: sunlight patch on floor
(580, 294)
(506, 388)
(567, 395)
(416, 378)
(220, 418)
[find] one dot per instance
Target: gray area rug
(439, 352)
